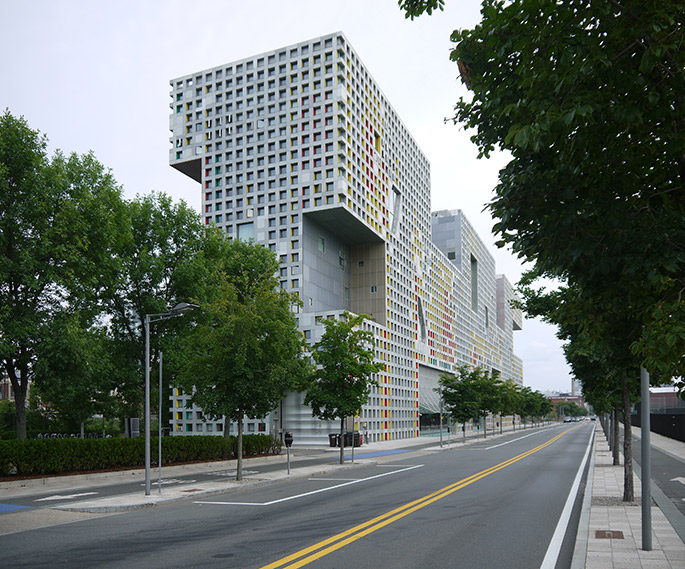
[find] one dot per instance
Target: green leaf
(647, 62)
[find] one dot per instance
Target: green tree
(546, 407)
(160, 262)
(245, 352)
(531, 404)
(59, 225)
(589, 99)
(509, 400)
(460, 394)
(72, 374)
(490, 397)
(414, 8)
(343, 379)
(598, 332)
(571, 409)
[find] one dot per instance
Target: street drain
(607, 534)
(192, 490)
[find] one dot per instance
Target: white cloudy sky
(94, 75)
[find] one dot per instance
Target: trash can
(333, 439)
(357, 439)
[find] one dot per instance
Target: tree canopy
(81, 266)
(588, 99)
(598, 332)
(59, 225)
(472, 392)
(461, 394)
(72, 374)
(156, 266)
(245, 352)
(414, 8)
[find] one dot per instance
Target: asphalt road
(487, 505)
(51, 497)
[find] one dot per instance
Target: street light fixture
(178, 310)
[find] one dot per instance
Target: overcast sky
(95, 76)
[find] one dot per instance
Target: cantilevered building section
(299, 150)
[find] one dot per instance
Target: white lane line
(357, 481)
(514, 440)
(67, 497)
(552, 555)
(331, 479)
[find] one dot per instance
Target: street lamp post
(177, 310)
(159, 427)
(441, 411)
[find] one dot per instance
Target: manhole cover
(608, 534)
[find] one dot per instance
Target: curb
(583, 532)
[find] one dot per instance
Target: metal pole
(159, 427)
(646, 463)
(288, 449)
(178, 310)
(353, 431)
(147, 405)
(441, 419)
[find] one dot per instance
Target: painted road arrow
(67, 497)
(680, 479)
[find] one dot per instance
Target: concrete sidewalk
(610, 535)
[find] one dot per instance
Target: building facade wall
(299, 149)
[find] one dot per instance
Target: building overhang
(191, 168)
(344, 225)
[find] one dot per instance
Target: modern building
(299, 149)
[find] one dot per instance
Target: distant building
(666, 400)
(299, 149)
(6, 390)
(568, 398)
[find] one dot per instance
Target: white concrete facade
(299, 149)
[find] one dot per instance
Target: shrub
(59, 456)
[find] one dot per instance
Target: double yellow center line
(323, 548)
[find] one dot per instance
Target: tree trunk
(20, 414)
(463, 430)
(628, 489)
(612, 433)
(19, 387)
(603, 422)
(615, 437)
(239, 461)
(342, 441)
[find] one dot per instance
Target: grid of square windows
(306, 127)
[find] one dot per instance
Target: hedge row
(60, 456)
